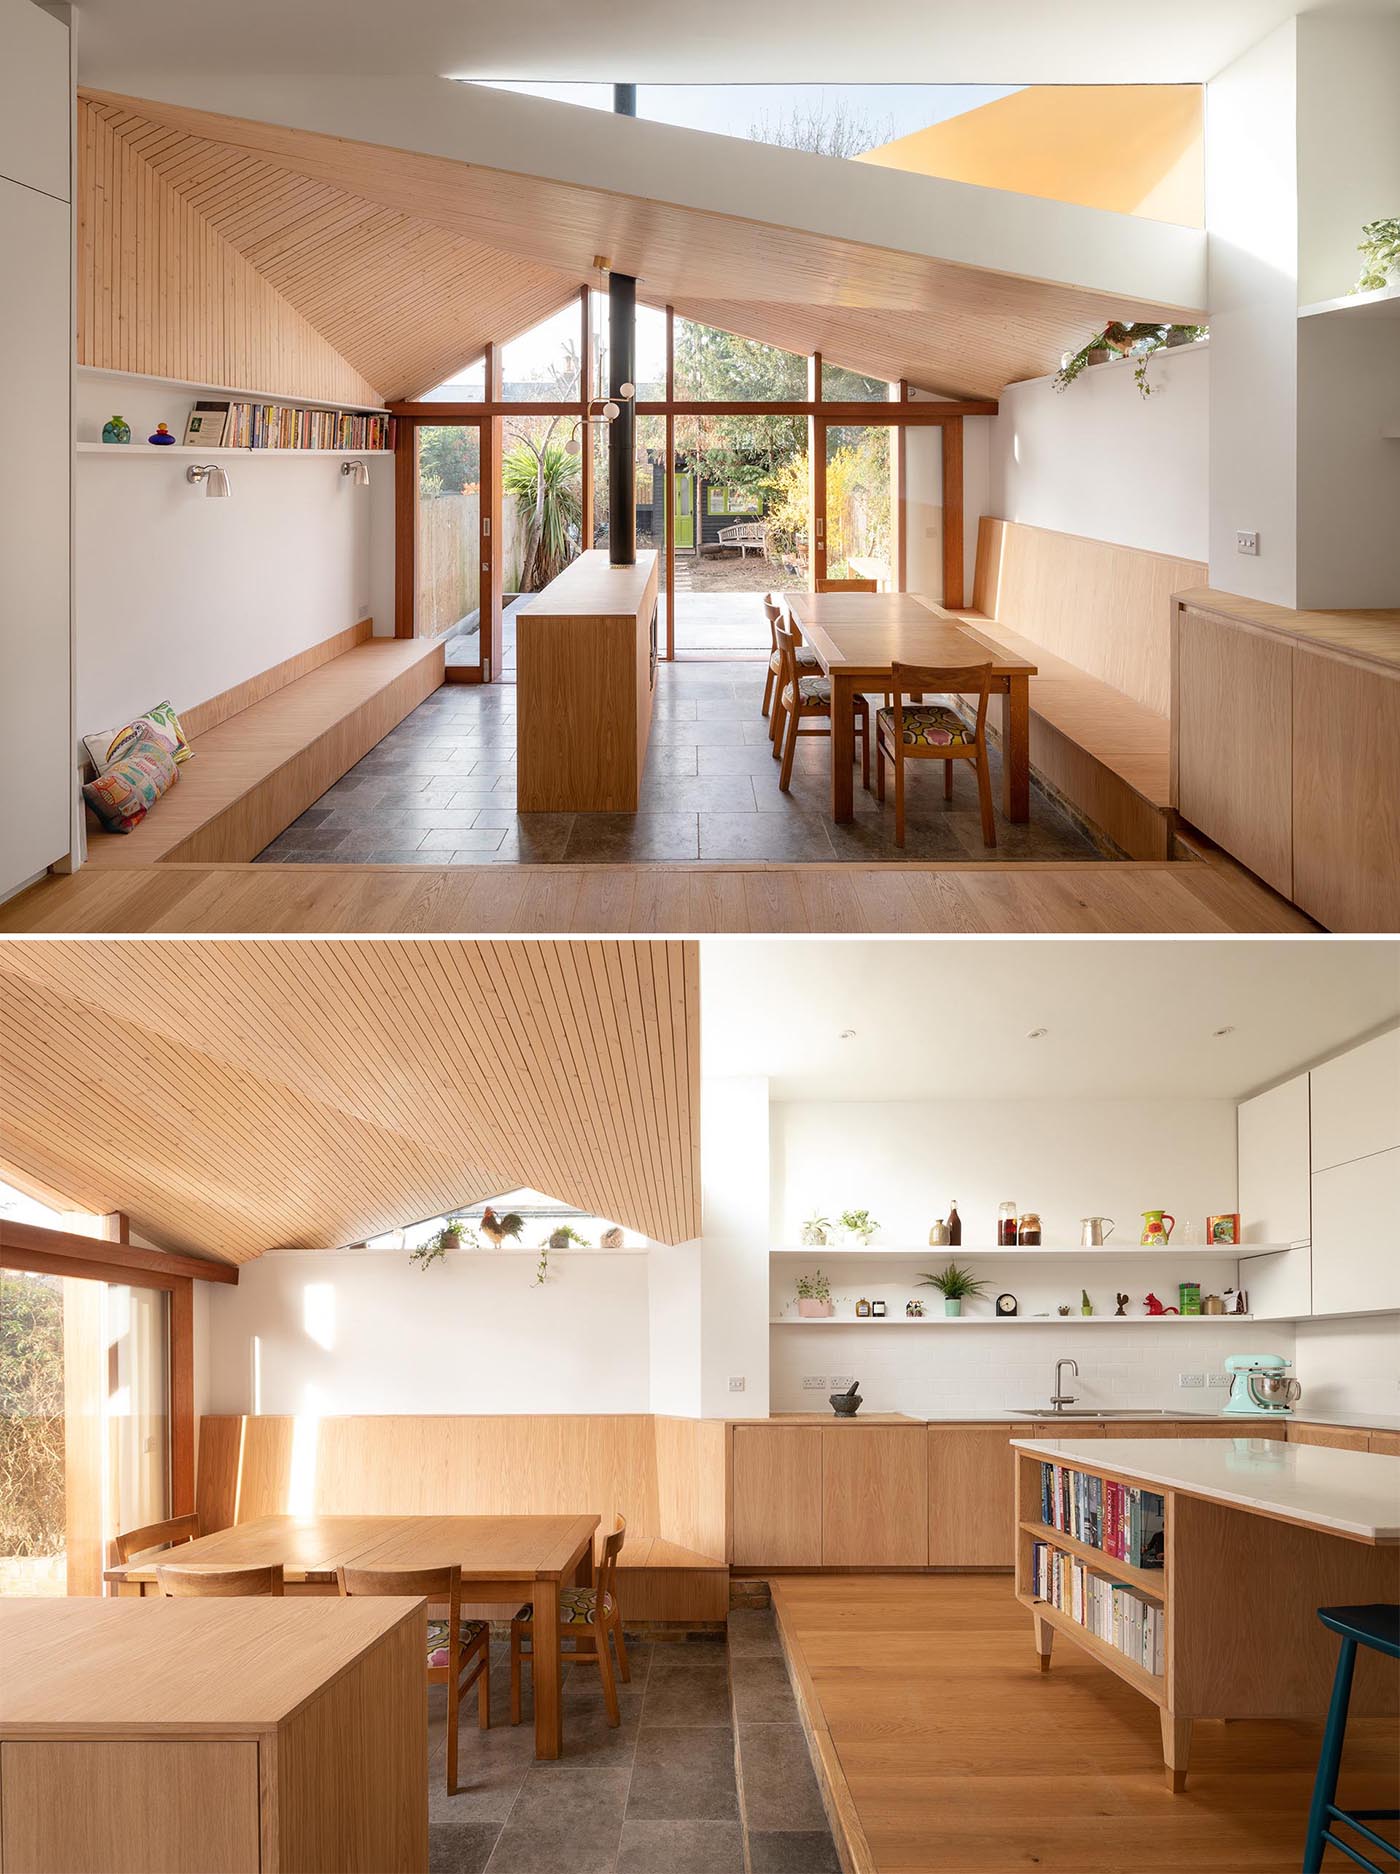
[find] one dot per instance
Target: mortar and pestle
(846, 1404)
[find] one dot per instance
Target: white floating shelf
(1383, 303)
(1127, 1252)
(179, 448)
(1004, 1320)
(235, 393)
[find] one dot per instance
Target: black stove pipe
(622, 369)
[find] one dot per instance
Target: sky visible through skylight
(744, 110)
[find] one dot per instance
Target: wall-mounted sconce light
(608, 411)
(358, 473)
(214, 479)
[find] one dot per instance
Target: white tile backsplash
(992, 1367)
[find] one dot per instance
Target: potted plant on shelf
(1379, 248)
(1122, 341)
(452, 1234)
(814, 1231)
(561, 1238)
(814, 1296)
(956, 1286)
(859, 1224)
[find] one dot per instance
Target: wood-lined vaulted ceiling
(409, 263)
(236, 1097)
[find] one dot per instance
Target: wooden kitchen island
(219, 1736)
(586, 674)
(1258, 1536)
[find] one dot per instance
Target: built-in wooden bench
(666, 1475)
(1096, 621)
(265, 751)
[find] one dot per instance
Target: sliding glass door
(84, 1425)
(450, 531)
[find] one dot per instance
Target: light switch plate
(1247, 543)
(737, 1385)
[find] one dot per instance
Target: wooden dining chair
(584, 1614)
(934, 731)
(453, 1643)
(807, 699)
(167, 1535)
(848, 585)
(177, 1582)
(806, 659)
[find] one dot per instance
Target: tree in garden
(32, 1520)
(836, 129)
(546, 484)
(447, 459)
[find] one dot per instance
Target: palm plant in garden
(545, 483)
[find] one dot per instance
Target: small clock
(1006, 1304)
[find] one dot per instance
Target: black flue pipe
(622, 369)
(622, 431)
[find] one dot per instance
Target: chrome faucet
(1060, 1397)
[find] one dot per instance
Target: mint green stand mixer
(1260, 1385)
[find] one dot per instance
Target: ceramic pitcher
(1157, 1227)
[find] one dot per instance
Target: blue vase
(116, 429)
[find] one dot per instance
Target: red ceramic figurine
(1153, 1306)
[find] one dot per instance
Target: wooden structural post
(816, 478)
(953, 513)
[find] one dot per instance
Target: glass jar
(1006, 1226)
(1028, 1230)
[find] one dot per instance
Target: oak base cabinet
(874, 1497)
(972, 1495)
(777, 1496)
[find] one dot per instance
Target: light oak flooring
(950, 1753)
(1019, 898)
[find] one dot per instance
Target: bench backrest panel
(1105, 608)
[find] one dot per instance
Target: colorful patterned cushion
(439, 1635)
(575, 1607)
(125, 794)
(806, 659)
(106, 749)
(931, 725)
(815, 691)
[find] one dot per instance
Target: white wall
(1348, 141)
(735, 1206)
(1252, 234)
(904, 1160)
(1351, 1365)
(673, 1296)
(180, 596)
(368, 1332)
(1099, 459)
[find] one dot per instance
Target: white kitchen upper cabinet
(1275, 1194)
(1356, 1103)
(1355, 1254)
(35, 104)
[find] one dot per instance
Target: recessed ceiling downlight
(848, 1034)
(1037, 1034)
(1217, 1033)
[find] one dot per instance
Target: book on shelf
(1113, 1611)
(206, 423)
(1125, 1521)
(288, 426)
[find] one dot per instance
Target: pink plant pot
(814, 1309)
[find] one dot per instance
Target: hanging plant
(1379, 248)
(454, 1234)
(1136, 341)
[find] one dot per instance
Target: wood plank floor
(948, 1752)
(1022, 898)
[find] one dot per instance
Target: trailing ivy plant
(1137, 341)
(1379, 248)
(454, 1234)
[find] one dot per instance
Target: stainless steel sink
(1102, 1412)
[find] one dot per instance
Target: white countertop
(1355, 1493)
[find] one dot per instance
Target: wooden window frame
(36, 1251)
(897, 411)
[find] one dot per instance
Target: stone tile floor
(440, 790)
(707, 1774)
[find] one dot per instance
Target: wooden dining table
(505, 1560)
(857, 638)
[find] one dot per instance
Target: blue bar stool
(1377, 1627)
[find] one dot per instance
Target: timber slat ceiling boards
(409, 263)
(235, 1097)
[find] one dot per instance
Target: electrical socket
(1247, 543)
(737, 1385)
(813, 1382)
(1221, 1380)
(1190, 1379)
(840, 1381)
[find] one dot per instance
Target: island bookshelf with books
(1198, 1583)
